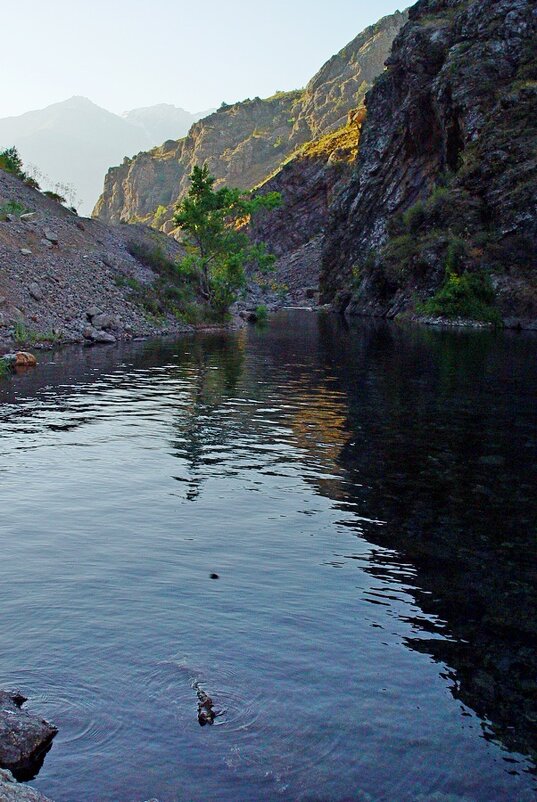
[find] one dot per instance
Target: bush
(414, 217)
(55, 196)
(469, 296)
(261, 313)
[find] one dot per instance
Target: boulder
(46, 243)
(50, 236)
(103, 337)
(24, 738)
(27, 217)
(26, 252)
(104, 321)
(21, 359)
(92, 312)
(11, 791)
(98, 335)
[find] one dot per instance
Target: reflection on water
(366, 497)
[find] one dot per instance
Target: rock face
(24, 739)
(11, 791)
(309, 185)
(446, 178)
(246, 142)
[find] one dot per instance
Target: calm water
(366, 497)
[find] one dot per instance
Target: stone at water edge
(23, 359)
(24, 738)
(11, 791)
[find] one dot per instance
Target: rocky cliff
(309, 184)
(440, 213)
(246, 142)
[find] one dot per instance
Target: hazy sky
(193, 53)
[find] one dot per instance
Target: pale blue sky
(124, 54)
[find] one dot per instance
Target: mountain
(75, 141)
(163, 121)
(245, 142)
(439, 216)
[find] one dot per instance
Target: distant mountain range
(75, 142)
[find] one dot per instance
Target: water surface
(366, 497)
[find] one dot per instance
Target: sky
(192, 53)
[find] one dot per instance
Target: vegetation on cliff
(446, 165)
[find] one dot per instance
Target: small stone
(27, 217)
(35, 291)
(46, 243)
(92, 312)
(12, 218)
(26, 252)
(51, 236)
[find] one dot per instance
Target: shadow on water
(443, 449)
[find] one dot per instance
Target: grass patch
(12, 207)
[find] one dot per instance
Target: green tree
(214, 225)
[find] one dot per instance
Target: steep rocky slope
(246, 142)
(309, 184)
(442, 200)
(68, 279)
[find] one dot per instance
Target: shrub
(414, 217)
(55, 196)
(261, 313)
(469, 296)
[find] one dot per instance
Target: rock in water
(25, 360)
(24, 739)
(11, 791)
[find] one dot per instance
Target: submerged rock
(24, 738)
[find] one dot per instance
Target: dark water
(367, 500)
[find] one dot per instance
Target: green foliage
(12, 207)
(160, 216)
(261, 313)
(55, 196)
(218, 248)
(414, 217)
(11, 162)
(5, 369)
(20, 334)
(469, 296)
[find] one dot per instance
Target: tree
(218, 248)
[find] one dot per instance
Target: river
(365, 496)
